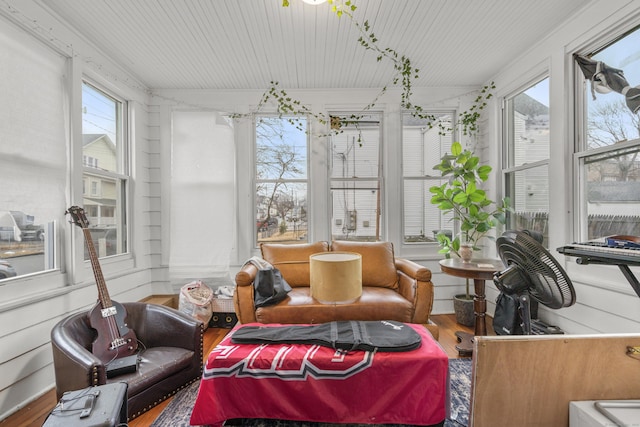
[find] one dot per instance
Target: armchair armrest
(414, 284)
(76, 366)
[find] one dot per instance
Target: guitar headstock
(78, 217)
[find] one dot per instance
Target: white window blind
(202, 195)
(33, 126)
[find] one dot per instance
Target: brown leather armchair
(170, 356)
(392, 288)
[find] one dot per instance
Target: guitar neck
(103, 294)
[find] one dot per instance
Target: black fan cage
(548, 283)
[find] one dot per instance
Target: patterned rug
(178, 412)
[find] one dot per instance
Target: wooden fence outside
(599, 225)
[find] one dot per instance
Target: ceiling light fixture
(314, 2)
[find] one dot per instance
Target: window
(423, 144)
(608, 159)
(355, 180)
(281, 179)
(526, 158)
(33, 153)
(105, 169)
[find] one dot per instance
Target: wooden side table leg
(480, 307)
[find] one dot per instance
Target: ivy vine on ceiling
(404, 75)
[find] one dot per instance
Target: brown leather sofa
(170, 359)
(392, 288)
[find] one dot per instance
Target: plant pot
(466, 252)
(463, 308)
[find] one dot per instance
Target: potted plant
(475, 213)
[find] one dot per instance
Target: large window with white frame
(33, 153)
(526, 157)
(608, 151)
(281, 179)
(355, 186)
(424, 142)
(105, 154)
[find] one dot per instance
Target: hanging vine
(404, 75)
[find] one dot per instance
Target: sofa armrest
(243, 297)
(414, 284)
(413, 270)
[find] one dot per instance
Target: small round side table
(478, 269)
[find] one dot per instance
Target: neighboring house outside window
(424, 142)
(356, 178)
(106, 169)
(526, 158)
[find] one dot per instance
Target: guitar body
(108, 318)
(109, 344)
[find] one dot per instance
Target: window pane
(106, 224)
(609, 164)
(529, 193)
(423, 220)
(609, 119)
(527, 154)
(355, 210)
(355, 182)
(613, 193)
(288, 206)
(355, 151)
(104, 178)
(530, 125)
(424, 142)
(281, 149)
(101, 129)
(281, 186)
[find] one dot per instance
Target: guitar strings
(114, 333)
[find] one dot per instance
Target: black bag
(270, 287)
(369, 335)
(506, 319)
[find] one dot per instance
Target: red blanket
(313, 383)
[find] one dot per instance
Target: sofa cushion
(376, 303)
(378, 262)
(292, 260)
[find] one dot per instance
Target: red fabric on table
(314, 383)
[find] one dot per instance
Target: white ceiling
(245, 44)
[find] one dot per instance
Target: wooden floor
(35, 413)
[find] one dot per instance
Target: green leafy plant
(461, 196)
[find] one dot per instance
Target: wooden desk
(479, 270)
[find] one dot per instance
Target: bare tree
(613, 123)
(276, 160)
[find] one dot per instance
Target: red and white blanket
(314, 383)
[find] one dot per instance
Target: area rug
(178, 411)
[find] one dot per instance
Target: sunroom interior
(192, 132)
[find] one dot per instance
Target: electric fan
(531, 273)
